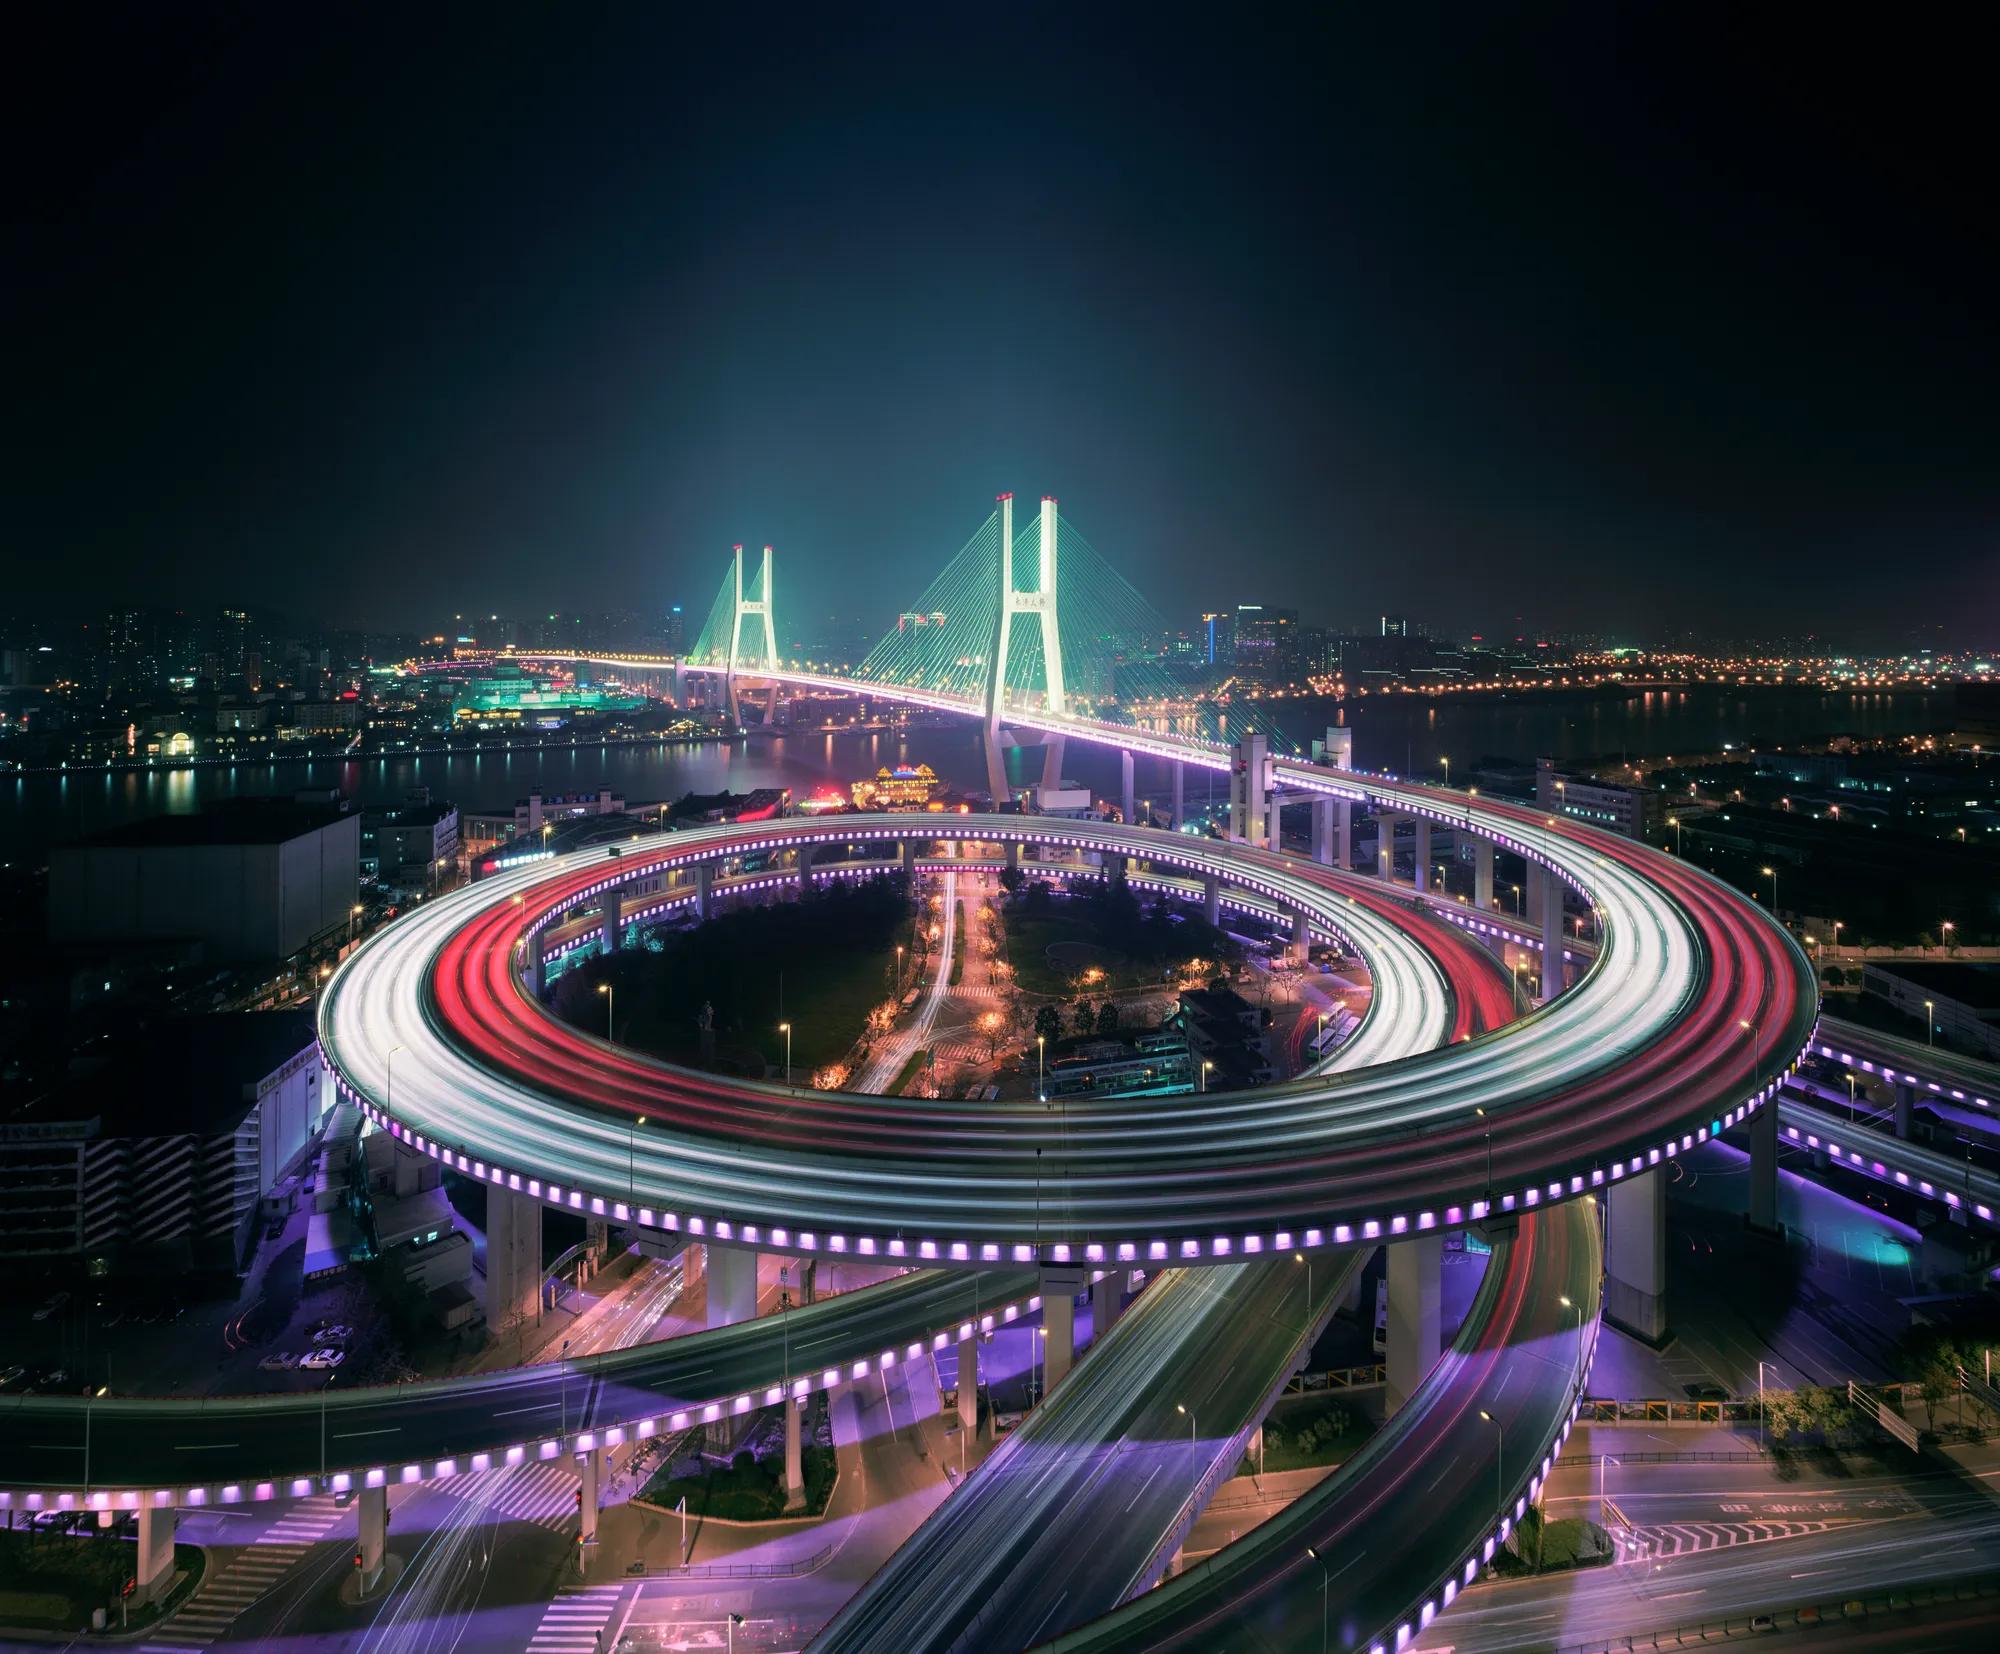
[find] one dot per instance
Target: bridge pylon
(753, 608)
(1041, 603)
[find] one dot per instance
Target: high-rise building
(1216, 640)
(674, 632)
(1267, 644)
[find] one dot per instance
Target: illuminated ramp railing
(1373, 1554)
(73, 1452)
(1897, 1161)
(1086, 1502)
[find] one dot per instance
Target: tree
(1937, 1379)
(1107, 1019)
(1085, 1018)
(1048, 1023)
(1012, 879)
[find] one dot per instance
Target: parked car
(55, 1303)
(322, 1358)
(280, 1363)
(332, 1335)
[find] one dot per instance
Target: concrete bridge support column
(804, 858)
(1114, 869)
(1420, 868)
(153, 1572)
(1211, 898)
(704, 891)
(1553, 973)
(968, 1381)
(795, 1455)
(1105, 1303)
(1763, 1215)
(1324, 851)
(1906, 1102)
(1385, 846)
(1180, 798)
(1127, 804)
(1060, 1285)
(1482, 876)
(732, 1285)
(590, 1466)
(1415, 1286)
(613, 913)
(1014, 854)
(1635, 1249)
(371, 1505)
(1301, 948)
(513, 1258)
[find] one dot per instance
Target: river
(1409, 734)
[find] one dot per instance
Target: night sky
(1622, 320)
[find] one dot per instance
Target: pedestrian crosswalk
(1658, 1541)
(541, 1493)
(252, 1571)
(575, 1622)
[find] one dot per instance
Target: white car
(333, 1335)
(322, 1358)
(277, 1363)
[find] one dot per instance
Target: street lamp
(785, 1028)
(1750, 1073)
(1041, 1083)
(1771, 873)
(1206, 1065)
(1499, 1460)
(1519, 911)
(1930, 1023)
(1476, 1109)
(632, 1158)
(1763, 1428)
(1325, 1584)
(734, 1621)
(389, 1088)
(1300, 1257)
(1675, 823)
(1193, 1474)
(610, 993)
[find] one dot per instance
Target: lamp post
(1325, 1585)
(785, 1028)
(1206, 1065)
(1041, 1082)
(610, 1011)
(1675, 823)
(1763, 1427)
(1930, 1023)
(1519, 910)
(1300, 1257)
(1771, 873)
(632, 1159)
(389, 1087)
(1750, 1069)
(1476, 1109)
(1194, 1475)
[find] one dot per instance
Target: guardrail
(747, 1570)
(1338, 1378)
(1970, 1588)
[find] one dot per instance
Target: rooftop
(193, 1074)
(230, 821)
(1977, 986)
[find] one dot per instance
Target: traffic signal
(357, 1559)
(579, 1498)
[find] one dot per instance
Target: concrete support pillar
(597, 1236)
(968, 1381)
(996, 768)
(732, 1285)
(371, 1507)
(538, 967)
(1906, 1102)
(1060, 1285)
(1552, 932)
(1415, 1287)
(1482, 875)
(1105, 1303)
(1180, 797)
(513, 1258)
(1385, 846)
(1114, 869)
(805, 856)
(795, 1455)
(1301, 948)
(1763, 1213)
(613, 928)
(1014, 854)
(1052, 762)
(1420, 865)
(1211, 898)
(704, 890)
(1635, 1251)
(591, 1467)
(1323, 823)
(154, 1570)
(1343, 831)
(1249, 791)
(808, 1280)
(1127, 803)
